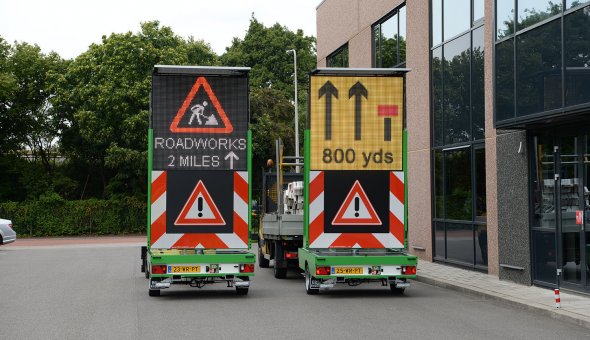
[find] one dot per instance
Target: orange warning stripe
(316, 227)
(240, 187)
(209, 241)
(396, 227)
(396, 187)
(349, 240)
(158, 228)
(316, 187)
(158, 187)
(240, 228)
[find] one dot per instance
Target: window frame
(338, 51)
(379, 23)
(473, 145)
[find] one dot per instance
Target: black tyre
(308, 277)
(243, 290)
(154, 292)
(280, 273)
(262, 262)
(147, 274)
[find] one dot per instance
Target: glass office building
(498, 114)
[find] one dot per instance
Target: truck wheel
(280, 273)
(154, 292)
(243, 290)
(308, 277)
(262, 262)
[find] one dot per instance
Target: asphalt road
(98, 292)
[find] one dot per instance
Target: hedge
(54, 216)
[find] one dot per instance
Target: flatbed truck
(281, 225)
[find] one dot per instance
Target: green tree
(271, 80)
(29, 125)
(105, 96)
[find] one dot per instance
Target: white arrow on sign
(231, 155)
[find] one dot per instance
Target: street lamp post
(296, 110)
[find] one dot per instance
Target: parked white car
(7, 234)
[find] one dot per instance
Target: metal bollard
(557, 299)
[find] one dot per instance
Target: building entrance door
(573, 204)
(561, 226)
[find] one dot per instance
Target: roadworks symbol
(201, 117)
(200, 209)
(356, 209)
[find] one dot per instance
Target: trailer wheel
(242, 290)
(262, 261)
(308, 277)
(154, 292)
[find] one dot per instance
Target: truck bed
(282, 226)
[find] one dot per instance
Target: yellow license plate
(184, 269)
(348, 270)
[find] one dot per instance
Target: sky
(68, 27)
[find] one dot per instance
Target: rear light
(322, 271)
(291, 255)
(10, 225)
(409, 270)
(246, 268)
(158, 269)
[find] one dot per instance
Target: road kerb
(561, 314)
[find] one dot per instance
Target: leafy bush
(52, 215)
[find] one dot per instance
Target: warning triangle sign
(200, 209)
(356, 209)
(200, 116)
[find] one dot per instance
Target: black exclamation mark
(200, 206)
(356, 206)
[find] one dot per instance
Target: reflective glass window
(504, 18)
(481, 245)
(436, 22)
(402, 35)
(577, 57)
(389, 42)
(457, 17)
(478, 84)
(505, 80)
(573, 3)
(456, 97)
(439, 236)
(531, 12)
(538, 69)
(377, 45)
(544, 256)
(437, 96)
(478, 9)
(480, 184)
(438, 185)
(458, 193)
(338, 58)
(460, 242)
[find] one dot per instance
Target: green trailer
(199, 166)
(355, 212)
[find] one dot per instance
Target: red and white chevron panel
(319, 239)
(161, 240)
